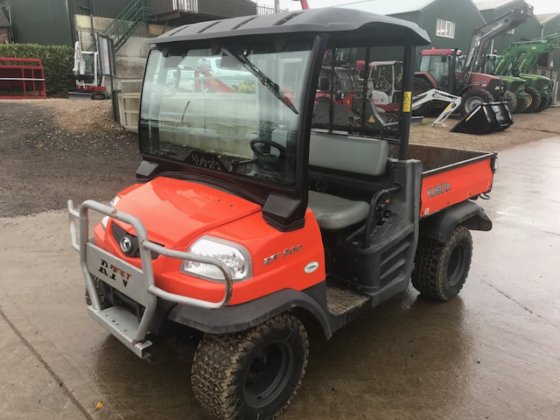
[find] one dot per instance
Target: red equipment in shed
(22, 78)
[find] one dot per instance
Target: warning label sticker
(407, 101)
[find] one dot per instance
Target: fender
(440, 226)
(231, 319)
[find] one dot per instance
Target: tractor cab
(442, 65)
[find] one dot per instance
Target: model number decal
(285, 253)
(438, 190)
(116, 272)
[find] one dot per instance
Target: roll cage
(284, 206)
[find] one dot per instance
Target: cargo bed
(451, 176)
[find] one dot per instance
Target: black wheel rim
(456, 265)
(268, 374)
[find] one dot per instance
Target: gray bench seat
(358, 155)
(334, 212)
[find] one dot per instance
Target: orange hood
(176, 212)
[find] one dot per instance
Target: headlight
(112, 203)
(233, 255)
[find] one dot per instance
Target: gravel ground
(526, 128)
(55, 149)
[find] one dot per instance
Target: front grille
(119, 233)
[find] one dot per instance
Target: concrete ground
(492, 353)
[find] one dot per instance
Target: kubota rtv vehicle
(249, 225)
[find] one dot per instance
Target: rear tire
(472, 98)
(441, 269)
(420, 86)
(253, 374)
(535, 99)
(511, 100)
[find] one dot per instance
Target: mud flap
(485, 118)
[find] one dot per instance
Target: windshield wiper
(263, 78)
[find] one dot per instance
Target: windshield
(437, 65)
(230, 108)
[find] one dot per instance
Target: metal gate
(22, 78)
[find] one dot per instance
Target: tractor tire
(535, 101)
(441, 269)
(420, 86)
(545, 103)
(523, 101)
(472, 98)
(253, 374)
(511, 100)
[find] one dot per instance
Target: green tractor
(515, 86)
(520, 60)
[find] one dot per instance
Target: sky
(540, 6)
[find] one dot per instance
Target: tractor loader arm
(438, 95)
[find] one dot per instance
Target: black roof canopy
(337, 22)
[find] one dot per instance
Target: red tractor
(443, 69)
(449, 70)
(249, 226)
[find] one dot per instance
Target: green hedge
(58, 61)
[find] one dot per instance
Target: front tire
(472, 98)
(523, 101)
(441, 269)
(511, 100)
(253, 374)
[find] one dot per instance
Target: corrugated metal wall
(101, 8)
(50, 22)
(41, 21)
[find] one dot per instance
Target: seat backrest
(364, 156)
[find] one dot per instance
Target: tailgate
(452, 184)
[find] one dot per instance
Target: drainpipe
(73, 34)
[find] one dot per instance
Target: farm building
(54, 21)
(550, 23)
(494, 9)
(449, 23)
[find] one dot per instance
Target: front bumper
(136, 283)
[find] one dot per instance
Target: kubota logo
(126, 244)
(438, 190)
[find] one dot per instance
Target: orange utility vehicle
(249, 224)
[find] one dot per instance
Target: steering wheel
(257, 146)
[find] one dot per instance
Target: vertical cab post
(405, 115)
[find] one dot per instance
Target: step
(342, 300)
(123, 325)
